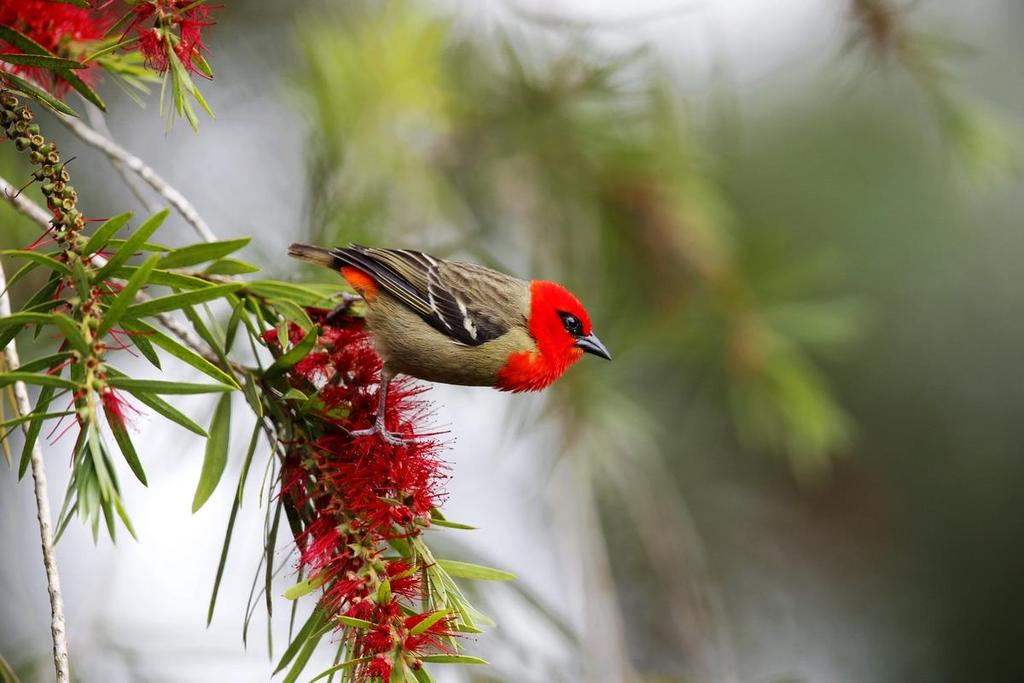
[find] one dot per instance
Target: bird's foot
(393, 438)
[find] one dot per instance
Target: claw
(393, 438)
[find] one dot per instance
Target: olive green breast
(410, 346)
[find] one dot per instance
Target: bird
(460, 323)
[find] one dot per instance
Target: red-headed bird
(459, 323)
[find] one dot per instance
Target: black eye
(573, 325)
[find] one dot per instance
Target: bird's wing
(466, 302)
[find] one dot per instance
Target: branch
(58, 629)
(25, 205)
(119, 155)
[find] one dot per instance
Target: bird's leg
(379, 423)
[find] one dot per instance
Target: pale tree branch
(120, 155)
(58, 628)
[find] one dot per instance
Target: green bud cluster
(17, 123)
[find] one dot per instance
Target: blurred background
(796, 226)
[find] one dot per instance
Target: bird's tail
(317, 255)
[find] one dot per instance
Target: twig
(25, 205)
(58, 631)
(99, 124)
(120, 155)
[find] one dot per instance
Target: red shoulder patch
(363, 283)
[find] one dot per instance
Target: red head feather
(556, 348)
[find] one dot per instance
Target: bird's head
(561, 328)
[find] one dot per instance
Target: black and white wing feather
(470, 304)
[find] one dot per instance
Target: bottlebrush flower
(154, 23)
(60, 28)
(358, 493)
(117, 408)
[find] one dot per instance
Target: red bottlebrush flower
(117, 408)
(358, 493)
(379, 667)
(58, 27)
(431, 640)
(186, 16)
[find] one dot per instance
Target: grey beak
(591, 344)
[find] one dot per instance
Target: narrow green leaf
(40, 259)
(291, 357)
(429, 621)
(340, 667)
(156, 386)
(422, 676)
(229, 266)
(82, 87)
(216, 457)
(46, 362)
(453, 659)
(15, 421)
(303, 658)
(41, 61)
(7, 674)
(131, 245)
(451, 525)
(304, 587)
(121, 23)
(17, 321)
(124, 442)
(182, 353)
(32, 90)
(465, 570)
(123, 300)
(360, 624)
(39, 379)
(170, 412)
(201, 253)
(271, 289)
(312, 625)
(384, 592)
(32, 433)
(166, 278)
(236, 503)
(105, 233)
(173, 302)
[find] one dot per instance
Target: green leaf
(236, 503)
(166, 278)
(157, 386)
(7, 674)
(40, 259)
(46, 362)
(32, 433)
(17, 321)
(15, 421)
(304, 587)
(465, 570)
(170, 412)
(422, 676)
(105, 233)
(451, 525)
(340, 667)
(453, 659)
(201, 253)
(173, 302)
(131, 245)
(179, 351)
(272, 289)
(72, 331)
(360, 624)
(384, 592)
(124, 442)
(291, 357)
(39, 379)
(229, 266)
(123, 300)
(432, 619)
(82, 87)
(84, 4)
(32, 90)
(216, 457)
(41, 61)
(312, 625)
(303, 657)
